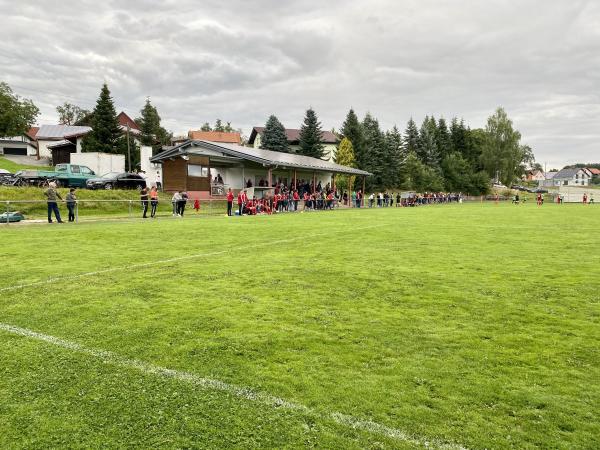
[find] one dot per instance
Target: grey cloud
(241, 61)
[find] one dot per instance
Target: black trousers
(181, 207)
(229, 208)
(144, 208)
(153, 205)
(71, 208)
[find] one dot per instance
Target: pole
(130, 208)
(128, 150)
(76, 212)
(314, 182)
(362, 197)
(295, 179)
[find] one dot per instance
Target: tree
(17, 115)
(206, 127)
(228, 128)
(394, 157)
(131, 153)
(411, 138)
(503, 154)
(105, 126)
(311, 136)
(352, 129)
(457, 173)
(69, 114)
(419, 177)
(219, 126)
(428, 150)
(345, 157)
(442, 138)
(152, 133)
(274, 137)
(374, 153)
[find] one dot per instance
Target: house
(54, 134)
(216, 136)
(549, 175)
(569, 177)
(595, 174)
(194, 165)
(61, 149)
(534, 175)
(20, 145)
(328, 139)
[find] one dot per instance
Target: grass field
(473, 326)
(13, 167)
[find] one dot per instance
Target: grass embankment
(94, 203)
(14, 167)
(469, 324)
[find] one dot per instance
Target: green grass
(95, 204)
(475, 325)
(14, 167)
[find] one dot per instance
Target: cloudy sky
(242, 60)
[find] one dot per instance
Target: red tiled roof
(594, 171)
(31, 133)
(215, 136)
(125, 120)
(293, 135)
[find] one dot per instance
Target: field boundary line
(174, 259)
(245, 393)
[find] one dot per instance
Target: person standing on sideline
(175, 202)
(153, 201)
(158, 181)
(229, 202)
(183, 202)
(71, 200)
(585, 198)
(197, 205)
(144, 200)
(51, 195)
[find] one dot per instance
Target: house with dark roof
(569, 177)
(194, 166)
(328, 139)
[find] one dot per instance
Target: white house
(20, 145)
(569, 177)
(328, 139)
(48, 135)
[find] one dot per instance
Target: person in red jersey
(229, 202)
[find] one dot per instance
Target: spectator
(182, 203)
(229, 202)
(71, 199)
(153, 201)
(158, 181)
(175, 202)
(51, 195)
(144, 200)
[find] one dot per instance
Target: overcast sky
(242, 60)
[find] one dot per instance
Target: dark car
(117, 180)
(541, 191)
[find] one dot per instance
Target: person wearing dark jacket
(51, 194)
(144, 200)
(71, 200)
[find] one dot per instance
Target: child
(197, 205)
(71, 200)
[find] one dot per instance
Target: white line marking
(238, 391)
(175, 259)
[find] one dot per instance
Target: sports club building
(209, 169)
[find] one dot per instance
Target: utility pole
(128, 150)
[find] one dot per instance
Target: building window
(197, 171)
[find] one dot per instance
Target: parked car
(540, 191)
(117, 180)
(64, 175)
(7, 178)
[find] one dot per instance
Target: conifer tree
(352, 129)
(311, 136)
(427, 150)
(152, 132)
(219, 126)
(375, 154)
(443, 141)
(394, 157)
(206, 127)
(274, 137)
(411, 138)
(105, 126)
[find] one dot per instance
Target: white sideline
(170, 260)
(238, 391)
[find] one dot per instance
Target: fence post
(76, 211)
(7, 212)
(130, 208)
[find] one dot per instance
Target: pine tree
(274, 137)
(352, 129)
(206, 127)
(105, 126)
(395, 156)
(443, 140)
(427, 150)
(411, 138)
(219, 126)
(311, 136)
(375, 154)
(152, 132)
(345, 157)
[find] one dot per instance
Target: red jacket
(230, 196)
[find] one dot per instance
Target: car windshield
(110, 175)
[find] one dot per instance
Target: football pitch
(456, 326)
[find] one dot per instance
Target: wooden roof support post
(270, 177)
(295, 179)
(362, 197)
(333, 182)
(314, 183)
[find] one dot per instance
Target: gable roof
(568, 173)
(594, 171)
(59, 131)
(31, 133)
(125, 120)
(293, 136)
(265, 157)
(215, 136)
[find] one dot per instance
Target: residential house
(534, 175)
(20, 145)
(328, 139)
(55, 134)
(216, 136)
(569, 177)
(595, 175)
